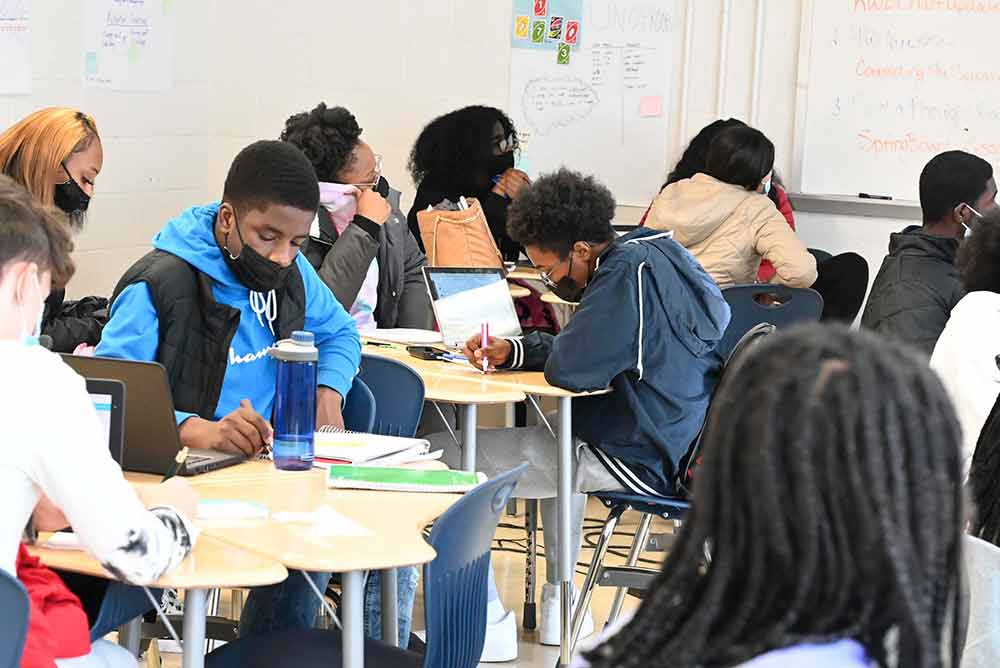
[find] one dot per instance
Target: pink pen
(484, 340)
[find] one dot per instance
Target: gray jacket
(402, 293)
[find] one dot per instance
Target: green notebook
(401, 479)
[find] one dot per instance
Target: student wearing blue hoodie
(647, 326)
(222, 284)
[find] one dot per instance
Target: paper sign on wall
(128, 45)
(15, 47)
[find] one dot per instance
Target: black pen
(867, 196)
(175, 468)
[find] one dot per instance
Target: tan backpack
(459, 238)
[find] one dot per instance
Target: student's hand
(373, 206)
(329, 408)
(243, 431)
(497, 351)
(511, 183)
(176, 492)
(48, 516)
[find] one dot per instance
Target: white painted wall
(243, 66)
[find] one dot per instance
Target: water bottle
(295, 402)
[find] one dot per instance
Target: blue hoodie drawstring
(265, 306)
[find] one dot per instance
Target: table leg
(469, 419)
(390, 607)
(565, 500)
(130, 635)
(352, 618)
(195, 603)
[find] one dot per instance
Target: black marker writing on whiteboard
(867, 196)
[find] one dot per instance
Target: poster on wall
(589, 85)
(128, 44)
(15, 47)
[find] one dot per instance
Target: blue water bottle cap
(303, 338)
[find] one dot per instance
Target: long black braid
(830, 500)
(984, 479)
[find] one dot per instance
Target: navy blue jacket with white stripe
(647, 326)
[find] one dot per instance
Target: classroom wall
(243, 66)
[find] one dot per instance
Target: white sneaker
(501, 635)
(549, 624)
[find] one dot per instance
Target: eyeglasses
(547, 279)
(506, 144)
(378, 175)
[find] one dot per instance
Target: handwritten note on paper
(128, 44)
(15, 47)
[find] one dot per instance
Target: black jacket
(75, 322)
(915, 290)
(494, 208)
(342, 262)
(647, 326)
(195, 331)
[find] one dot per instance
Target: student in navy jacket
(647, 327)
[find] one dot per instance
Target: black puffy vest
(195, 330)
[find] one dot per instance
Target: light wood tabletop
(213, 563)
(518, 291)
(551, 298)
(525, 274)
(391, 523)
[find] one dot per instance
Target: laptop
(464, 298)
(150, 433)
(109, 402)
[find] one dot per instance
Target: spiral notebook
(338, 446)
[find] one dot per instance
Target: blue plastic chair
(455, 592)
(14, 605)
(399, 395)
(670, 508)
(359, 408)
(792, 306)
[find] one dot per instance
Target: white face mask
(767, 187)
(29, 337)
(968, 230)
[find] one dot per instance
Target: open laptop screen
(463, 299)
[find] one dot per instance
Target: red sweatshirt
(58, 627)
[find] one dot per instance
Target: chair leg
(528, 619)
(600, 551)
(638, 545)
(214, 598)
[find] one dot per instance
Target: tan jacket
(729, 230)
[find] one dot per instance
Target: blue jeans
(293, 604)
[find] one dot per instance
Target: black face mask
(501, 163)
(71, 198)
(382, 187)
(567, 289)
(254, 270)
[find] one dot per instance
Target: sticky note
(651, 106)
(572, 32)
(541, 7)
(555, 28)
(562, 55)
(91, 62)
(134, 54)
(538, 32)
(522, 26)
(168, 7)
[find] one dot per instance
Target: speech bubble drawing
(552, 102)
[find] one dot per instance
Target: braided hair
(831, 504)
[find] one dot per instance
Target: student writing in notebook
(647, 326)
(64, 465)
(224, 282)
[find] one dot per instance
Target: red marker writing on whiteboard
(484, 342)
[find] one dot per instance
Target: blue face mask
(767, 187)
(29, 337)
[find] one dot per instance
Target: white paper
(15, 47)
(129, 44)
(324, 521)
(461, 315)
(222, 510)
(413, 337)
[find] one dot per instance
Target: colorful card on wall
(542, 25)
(555, 28)
(562, 54)
(522, 26)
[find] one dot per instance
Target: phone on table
(427, 353)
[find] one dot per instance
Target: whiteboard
(599, 102)
(892, 84)
(15, 47)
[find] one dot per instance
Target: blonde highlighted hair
(34, 147)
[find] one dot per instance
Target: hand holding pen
(496, 351)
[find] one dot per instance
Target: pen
(484, 341)
(175, 468)
(376, 344)
(868, 196)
